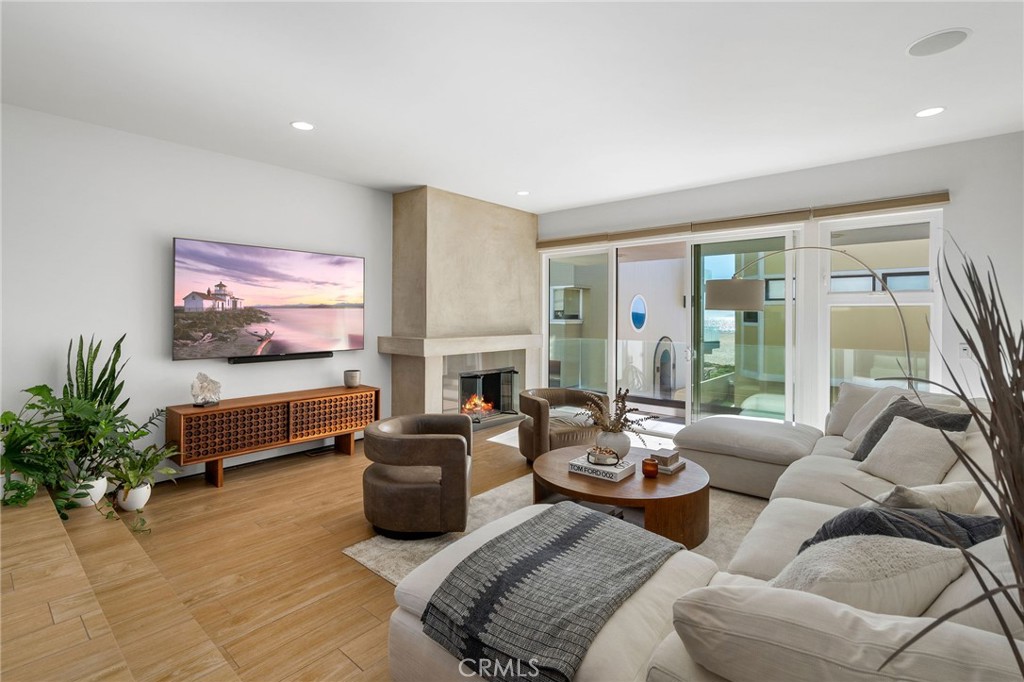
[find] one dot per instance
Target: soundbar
(245, 359)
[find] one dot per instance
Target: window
(775, 289)
(850, 283)
(906, 281)
(898, 252)
(865, 341)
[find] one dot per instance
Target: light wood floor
(258, 563)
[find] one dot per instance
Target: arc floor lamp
(749, 294)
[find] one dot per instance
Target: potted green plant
(134, 468)
(26, 460)
(614, 422)
(71, 440)
(92, 421)
(35, 453)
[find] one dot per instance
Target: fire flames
(477, 405)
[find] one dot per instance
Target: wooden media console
(242, 425)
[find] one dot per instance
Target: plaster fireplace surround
(447, 320)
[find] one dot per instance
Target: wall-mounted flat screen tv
(236, 301)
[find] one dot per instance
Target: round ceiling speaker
(937, 42)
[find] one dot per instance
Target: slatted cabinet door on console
(243, 425)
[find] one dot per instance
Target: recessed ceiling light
(302, 125)
(937, 42)
(931, 111)
(523, 193)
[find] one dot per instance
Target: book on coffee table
(673, 468)
(612, 472)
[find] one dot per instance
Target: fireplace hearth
(488, 394)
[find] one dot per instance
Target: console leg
(215, 472)
(345, 443)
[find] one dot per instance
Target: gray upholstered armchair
(541, 431)
(420, 477)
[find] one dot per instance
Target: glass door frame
(790, 232)
(609, 249)
(569, 252)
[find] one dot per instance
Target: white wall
(985, 215)
(88, 218)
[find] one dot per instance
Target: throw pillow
(965, 529)
(966, 588)
(901, 407)
(871, 409)
(881, 574)
(754, 634)
(912, 454)
(874, 406)
(959, 497)
(851, 398)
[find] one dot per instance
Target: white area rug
(732, 515)
(666, 429)
(509, 438)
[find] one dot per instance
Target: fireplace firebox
(490, 393)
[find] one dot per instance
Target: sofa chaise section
(622, 650)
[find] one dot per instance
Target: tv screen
(232, 300)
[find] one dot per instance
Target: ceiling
(577, 103)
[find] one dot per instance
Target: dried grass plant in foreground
(996, 345)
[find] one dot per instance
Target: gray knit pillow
(966, 529)
(901, 407)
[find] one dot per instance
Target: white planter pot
(96, 488)
(136, 498)
(619, 442)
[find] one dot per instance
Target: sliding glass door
(739, 357)
(652, 326)
(578, 322)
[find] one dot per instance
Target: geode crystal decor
(205, 391)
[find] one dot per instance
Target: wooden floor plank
(333, 666)
(369, 648)
(89, 661)
(41, 643)
(291, 656)
(31, 618)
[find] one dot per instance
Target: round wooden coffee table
(675, 506)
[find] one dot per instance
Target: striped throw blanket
(527, 605)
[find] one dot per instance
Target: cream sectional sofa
(735, 623)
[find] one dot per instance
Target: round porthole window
(638, 312)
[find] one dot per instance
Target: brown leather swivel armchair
(419, 481)
(541, 432)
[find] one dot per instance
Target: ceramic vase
(136, 498)
(352, 378)
(619, 442)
